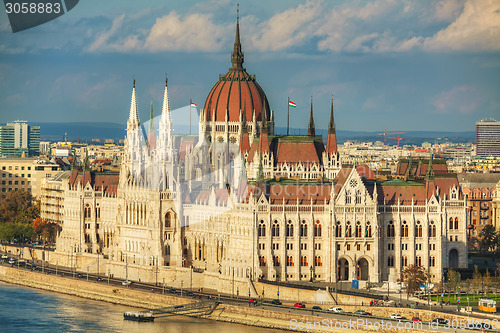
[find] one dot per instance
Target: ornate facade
(244, 203)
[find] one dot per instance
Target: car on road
(126, 283)
(440, 321)
(316, 308)
(416, 319)
(276, 302)
(12, 261)
(335, 309)
(172, 290)
(98, 279)
(395, 316)
(80, 275)
(299, 305)
(189, 293)
(253, 301)
(362, 313)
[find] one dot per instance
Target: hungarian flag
(291, 104)
(193, 105)
(346, 232)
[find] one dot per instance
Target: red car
(299, 305)
(416, 319)
(253, 301)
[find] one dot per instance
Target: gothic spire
(311, 130)
(237, 54)
(331, 125)
(166, 102)
(133, 118)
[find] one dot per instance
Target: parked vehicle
(252, 301)
(276, 302)
(299, 305)
(316, 308)
(416, 319)
(126, 283)
(395, 316)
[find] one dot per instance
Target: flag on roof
(291, 104)
(193, 105)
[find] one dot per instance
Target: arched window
(368, 230)
(404, 261)
(289, 229)
(317, 261)
(276, 229)
(262, 261)
(303, 229)
(390, 261)
(358, 229)
(451, 223)
(338, 230)
(358, 196)
(456, 223)
(168, 220)
(348, 230)
(404, 229)
(317, 229)
(87, 211)
(432, 230)
(289, 261)
(432, 261)
(167, 250)
(262, 229)
(390, 229)
(303, 261)
(276, 261)
(418, 229)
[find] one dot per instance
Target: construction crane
(385, 133)
(399, 138)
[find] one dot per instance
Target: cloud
(289, 28)
(477, 28)
(447, 10)
(195, 32)
(459, 98)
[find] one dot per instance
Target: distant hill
(82, 130)
(89, 130)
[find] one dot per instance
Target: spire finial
(237, 54)
(311, 130)
(331, 125)
(166, 79)
(133, 77)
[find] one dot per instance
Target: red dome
(236, 92)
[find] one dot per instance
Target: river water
(30, 310)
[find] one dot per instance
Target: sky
(400, 65)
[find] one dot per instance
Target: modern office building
(18, 138)
(488, 138)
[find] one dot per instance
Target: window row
(275, 229)
(290, 261)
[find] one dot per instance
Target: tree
(476, 280)
(453, 280)
(414, 276)
(488, 238)
(45, 230)
(17, 212)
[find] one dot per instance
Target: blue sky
(401, 65)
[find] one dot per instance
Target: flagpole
(288, 117)
(190, 106)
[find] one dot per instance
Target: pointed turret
(311, 130)
(237, 57)
(244, 141)
(263, 138)
(133, 118)
(331, 142)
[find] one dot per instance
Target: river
(29, 310)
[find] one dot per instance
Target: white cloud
(289, 28)
(195, 32)
(459, 98)
(103, 38)
(447, 10)
(477, 28)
